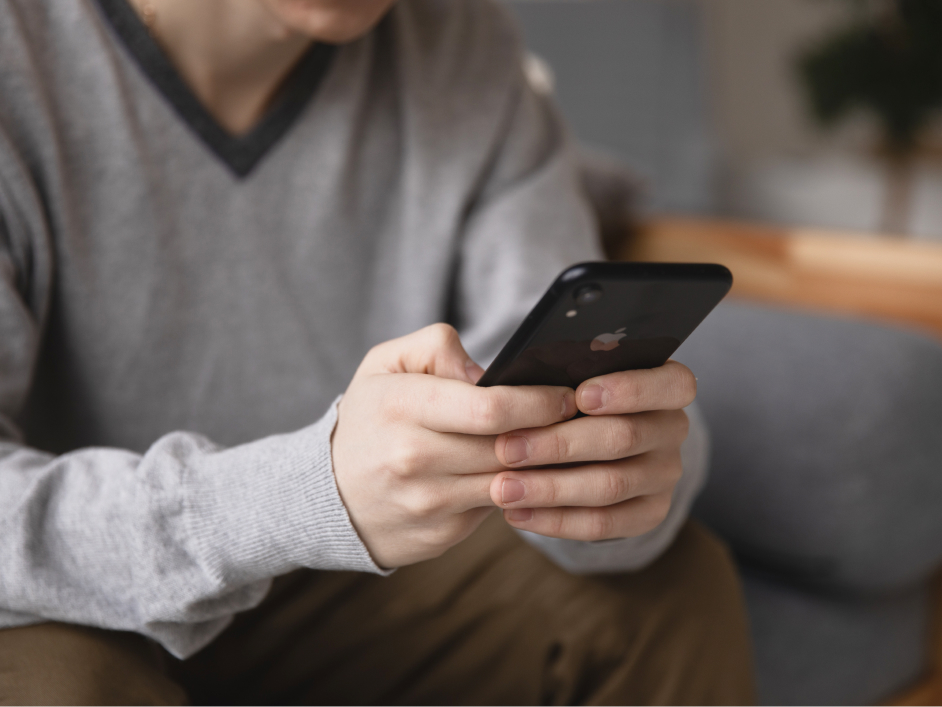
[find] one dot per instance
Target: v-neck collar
(240, 153)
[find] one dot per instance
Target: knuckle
(423, 505)
(632, 392)
(557, 522)
(392, 406)
(485, 410)
(599, 525)
(440, 536)
(552, 491)
(372, 355)
(560, 450)
(437, 537)
(405, 458)
(619, 437)
(441, 335)
(378, 351)
(617, 486)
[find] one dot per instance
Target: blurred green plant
(886, 61)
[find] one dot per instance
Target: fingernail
(516, 449)
(512, 491)
(593, 397)
(519, 515)
(473, 370)
(569, 405)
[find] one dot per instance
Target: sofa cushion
(827, 445)
(812, 648)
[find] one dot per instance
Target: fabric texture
(490, 622)
(840, 536)
(813, 647)
(171, 334)
(854, 508)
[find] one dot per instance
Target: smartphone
(599, 318)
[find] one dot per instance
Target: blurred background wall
(702, 99)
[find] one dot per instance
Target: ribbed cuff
(271, 506)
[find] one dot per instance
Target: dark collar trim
(239, 153)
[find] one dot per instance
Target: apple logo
(607, 342)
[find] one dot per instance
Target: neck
(234, 54)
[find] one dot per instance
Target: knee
(683, 626)
(698, 589)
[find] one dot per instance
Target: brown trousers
(491, 621)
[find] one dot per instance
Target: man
(211, 212)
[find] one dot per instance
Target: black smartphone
(599, 318)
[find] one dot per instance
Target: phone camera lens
(587, 294)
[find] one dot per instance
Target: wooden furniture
(855, 274)
(929, 690)
(821, 270)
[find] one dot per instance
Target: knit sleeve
(169, 543)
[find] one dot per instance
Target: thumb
(435, 350)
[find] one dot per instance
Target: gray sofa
(826, 473)
(826, 480)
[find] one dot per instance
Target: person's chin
(331, 21)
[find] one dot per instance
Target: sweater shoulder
(457, 46)
(472, 24)
(42, 31)
(49, 52)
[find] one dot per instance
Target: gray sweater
(179, 308)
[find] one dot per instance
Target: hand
(631, 441)
(414, 446)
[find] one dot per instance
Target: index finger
(445, 405)
(668, 387)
